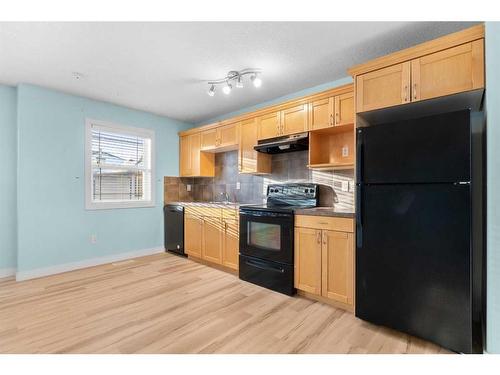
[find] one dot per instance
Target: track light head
(257, 82)
(211, 92)
(239, 83)
(227, 89)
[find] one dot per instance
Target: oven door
(267, 235)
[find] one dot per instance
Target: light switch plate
(345, 185)
(188, 187)
(238, 185)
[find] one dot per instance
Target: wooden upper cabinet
(448, 72)
(228, 135)
(294, 119)
(383, 88)
(230, 244)
(192, 161)
(208, 139)
(249, 160)
(212, 234)
(185, 162)
(221, 138)
(337, 266)
(344, 109)
(308, 260)
(321, 113)
(269, 125)
(451, 64)
(196, 159)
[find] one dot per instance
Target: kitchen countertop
(230, 205)
(316, 211)
(326, 211)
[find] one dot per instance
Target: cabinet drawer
(203, 211)
(321, 222)
(228, 213)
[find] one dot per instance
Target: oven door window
(264, 235)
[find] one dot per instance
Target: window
(119, 166)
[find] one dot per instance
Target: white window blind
(120, 167)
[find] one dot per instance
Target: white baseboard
(60, 268)
(7, 272)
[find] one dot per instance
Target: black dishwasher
(174, 228)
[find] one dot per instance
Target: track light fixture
(235, 77)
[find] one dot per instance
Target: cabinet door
(383, 88)
(448, 72)
(337, 266)
(212, 239)
(344, 109)
(321, 113)
(228, 135)
(294, 119)
(195, 144)
(185, 162)
(192, 235)
(208, 139)
(251, 161)
(269, 125)
(308, 260)
(230, 246)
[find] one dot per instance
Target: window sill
(117, 205)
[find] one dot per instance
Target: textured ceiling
(162, 67)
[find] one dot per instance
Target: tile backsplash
(288, 167)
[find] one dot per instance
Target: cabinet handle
(318, 236)
(331, 120)
(414, 91)
(406, 93)
(325, 239)
(336, 118)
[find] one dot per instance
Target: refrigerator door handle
(359, 156)
(359, 216)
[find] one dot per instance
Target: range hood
(287, 143)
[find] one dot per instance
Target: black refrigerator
(416, 267)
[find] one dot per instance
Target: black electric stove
(267, 235)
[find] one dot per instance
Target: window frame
(90, 204)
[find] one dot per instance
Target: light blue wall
(493, 195)
(7, 177)
(53, 225)
(298, 94)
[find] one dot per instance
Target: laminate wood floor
(167, 304)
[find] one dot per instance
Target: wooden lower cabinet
(324, 259)
(230, 243)
(308, 260)
(337, 277)
(212, 234)
(212, 239)
(192, 235)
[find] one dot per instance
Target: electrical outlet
(345, 151)
(238, 185)
(93, 238)
(188, 187)
(345, 185)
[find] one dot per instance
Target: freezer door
(425, 150)
(413, 261)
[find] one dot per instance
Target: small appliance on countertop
(267, 235)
